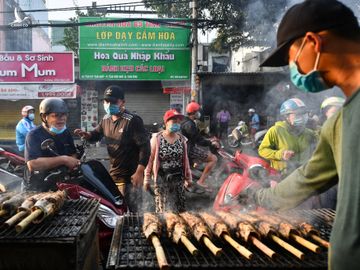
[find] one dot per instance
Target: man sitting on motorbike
(288, 144)
(53, 114)
(197, 154)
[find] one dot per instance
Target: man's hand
(287, 154)
(83, 134)
(137, 179)
(70, 162)
(215, 144)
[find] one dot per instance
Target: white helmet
(25, 110)
(252, 110)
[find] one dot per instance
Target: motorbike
(92, 181)
(251, 170)
(240, 137)
(12, 160)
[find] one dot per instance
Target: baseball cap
(172, 114)
(112, 93)
(308, 16)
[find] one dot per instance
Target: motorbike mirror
(47, 144)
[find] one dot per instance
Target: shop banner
(134, 50)
(134, 64)
(36, 67)
(38, 91)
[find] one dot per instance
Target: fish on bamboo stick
(221, 230)
(201, 232)
(287, 230)
(178, 231)
(307, 230)
(24, 209)
(268, 230)
(246, 231)
(152, 230)
(49, 204)
(10, 206)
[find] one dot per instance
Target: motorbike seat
(12, 149)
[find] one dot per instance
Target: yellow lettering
(130, 35)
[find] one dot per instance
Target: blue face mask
(111, 109)
(56, 130)
(311, 82)
(31, 116)
(175, 127)
(300, 120)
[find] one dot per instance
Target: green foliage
(239, 22)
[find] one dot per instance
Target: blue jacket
(22, 128)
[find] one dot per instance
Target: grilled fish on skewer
(152, 229)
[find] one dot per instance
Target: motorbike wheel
(232, 142)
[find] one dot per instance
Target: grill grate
(130, 249)
(69, 222)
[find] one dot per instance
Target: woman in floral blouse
(169, 165)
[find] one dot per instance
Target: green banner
(135, 64)
(134, 50)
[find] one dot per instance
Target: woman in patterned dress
(169, 165)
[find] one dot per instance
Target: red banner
(36, 67)
(176, 90)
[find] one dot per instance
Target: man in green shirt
(320, 40)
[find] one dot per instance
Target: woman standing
(169, 165)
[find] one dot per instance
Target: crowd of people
(317, 157)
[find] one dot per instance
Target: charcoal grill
(68, 240)
(130, 248)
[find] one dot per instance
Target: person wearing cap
(127, 144)
(169, 165)
(53, 114)
(319, 40)
(24, 126)
(196, 153)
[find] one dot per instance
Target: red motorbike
(11, 160)
(250, 170)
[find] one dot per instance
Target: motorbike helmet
(53, 105)
(332, 101)
(251, 110)
(292, 105)
(25, 110)
(192, 107)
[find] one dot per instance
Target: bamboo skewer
(319, 240)
(305, 243)
(241, 249)
(287, 246)
(210, 245)
(265, 249)
(190, 247)
(26, 221)
(160, 253)
(15, 218)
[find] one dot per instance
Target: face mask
(111, 109)
(57, 131)
(31, 116)
(311, 82)
(300, 120)
(174, 128)
(197, 115)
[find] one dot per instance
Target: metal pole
(194, 53)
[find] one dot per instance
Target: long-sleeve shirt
(192, 133)
(336, 159)
(127, 143)
(22, 129)
(279, 138)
